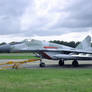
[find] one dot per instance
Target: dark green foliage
(3, 43)
(71, 44)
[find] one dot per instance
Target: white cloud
(43, 14)
(10, 38)
(73, 36)
(45, 19)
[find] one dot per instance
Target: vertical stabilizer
(85, 44)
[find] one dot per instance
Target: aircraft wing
(75, 51)
(72, 57)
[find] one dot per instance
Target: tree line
(71, 43)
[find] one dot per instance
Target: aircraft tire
(75, 63)
(61, 62)
(42, 64)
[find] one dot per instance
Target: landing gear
(42, 64)
(75, 63)
(61, 62)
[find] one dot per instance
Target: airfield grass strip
(17, 56)
(46, 80)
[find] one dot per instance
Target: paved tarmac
(52, 64)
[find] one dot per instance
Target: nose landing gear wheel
(61, 62)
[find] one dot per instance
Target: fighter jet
(54, 51)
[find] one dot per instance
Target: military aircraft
(54, 51)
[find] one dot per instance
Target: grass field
(46, 80)
(17, 56)
(43, 80)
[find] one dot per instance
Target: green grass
(17, 56)
(46, 80)
(43, 80)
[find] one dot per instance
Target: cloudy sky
(45, 19)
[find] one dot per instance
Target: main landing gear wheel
(75, 63)
(42, 64)
(61, 62)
